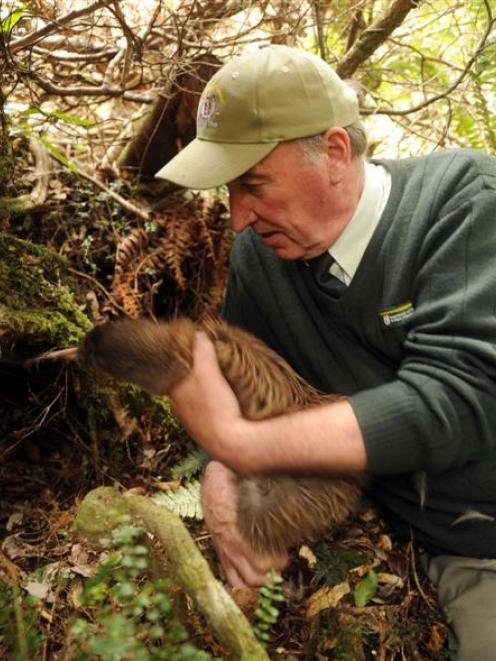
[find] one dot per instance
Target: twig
(129, 206)
(133, 42)
(55, 354)
(61, 56)
(416, 577)
(92, 430)
(101, 287)
(53, 26)
(148, 28)
(320, 31)
(109, 73)
(13, 573)
(437, 97)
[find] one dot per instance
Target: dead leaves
(327, 598)
(180, 256)
(378, 603)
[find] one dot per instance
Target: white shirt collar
(349, 248)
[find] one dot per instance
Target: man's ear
(338, 153)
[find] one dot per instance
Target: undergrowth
(127, 615)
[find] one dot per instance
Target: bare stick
(53, 26)
(67, 355)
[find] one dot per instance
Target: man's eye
(251, 188)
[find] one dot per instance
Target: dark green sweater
(422, 377)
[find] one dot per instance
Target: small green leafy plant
(127, 615)
(20, 635)
(267, 613)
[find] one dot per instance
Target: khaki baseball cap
(253, 103)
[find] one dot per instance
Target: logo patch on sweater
(397, 315)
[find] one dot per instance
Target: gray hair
(314, 145)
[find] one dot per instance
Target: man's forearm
(326, 438)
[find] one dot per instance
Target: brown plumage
(276, 511)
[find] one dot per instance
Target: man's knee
(467, 593)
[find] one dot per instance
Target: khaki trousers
(467, 594)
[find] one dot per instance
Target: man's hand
(242, 566)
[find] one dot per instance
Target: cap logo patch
(208, 109)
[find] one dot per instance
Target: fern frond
(189, 466)
(184, 501)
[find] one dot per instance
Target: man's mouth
(268, 237)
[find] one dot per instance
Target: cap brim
(203, 164)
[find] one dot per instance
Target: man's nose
(242, 214)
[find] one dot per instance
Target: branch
(62, 56)
(437, 97)
(88, 90)
(375, 35)
(53, 26)
(128, 33)
(115, 61)
(73, 43)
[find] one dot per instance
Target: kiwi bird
(276, 511)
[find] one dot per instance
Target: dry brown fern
(178, 263)
(274, 512)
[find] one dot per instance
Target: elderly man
(372, 279)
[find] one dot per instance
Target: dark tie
(319, 267)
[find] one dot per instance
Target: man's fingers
(239, 571)
(250, 574)
(242, 566)
(232, 575)
(204, 350)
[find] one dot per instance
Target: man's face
(292, 203)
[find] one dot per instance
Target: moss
(333, 563)
(36, 306)
(101, 511)
(350, 638)
(11, 206)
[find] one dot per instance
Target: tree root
(24, 204)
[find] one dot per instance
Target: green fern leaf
(184, 501)
(189, 466)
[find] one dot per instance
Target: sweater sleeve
(440, 411)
